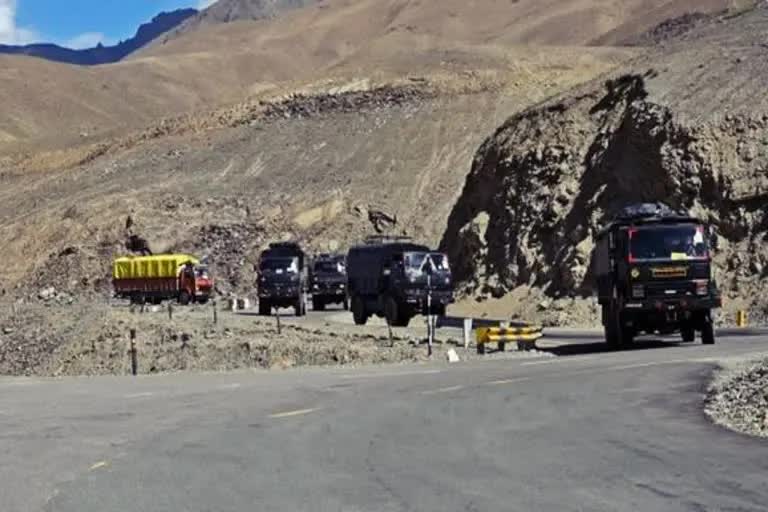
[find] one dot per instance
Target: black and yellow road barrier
(525, 337)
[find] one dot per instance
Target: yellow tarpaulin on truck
(145, 267)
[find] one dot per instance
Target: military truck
(328, 281)
(282, 278)
(397, 279)
(654, 275)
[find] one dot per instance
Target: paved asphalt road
(586, 431)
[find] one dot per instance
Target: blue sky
(79, 23)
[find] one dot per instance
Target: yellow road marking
(287, 414)
(98, 465)
(442, 390)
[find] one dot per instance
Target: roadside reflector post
(277, 318)
(134, 355)
(467, 332)
(741, 318)
(170, 311)
(215, 312)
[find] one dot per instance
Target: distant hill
(146, 33)
(228, 11)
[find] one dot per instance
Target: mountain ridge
(146, 33)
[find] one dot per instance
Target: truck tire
(265, 308)
(184, 297)
(318, 304)
(617, 335)
(359, 315)
(139, 299)
(392, 312)
(708, 331)
(688, 333)
(202, 300)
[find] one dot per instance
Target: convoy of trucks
(652, 268)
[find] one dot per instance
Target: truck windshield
(667, 243)
(418, 261)
(329, 267)
(280, 265)
(201, 272)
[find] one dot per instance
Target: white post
(467, 331)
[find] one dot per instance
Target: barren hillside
(687, 125)
(216, 64)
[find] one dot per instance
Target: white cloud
(204, 4)
(9, 32)
(87, 40)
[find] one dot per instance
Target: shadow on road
(579, 349)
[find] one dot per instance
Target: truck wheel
(688, 334)
(139, 299)
(318, 304)
(708, 332)
(265, 309)
(616, 334)
(184, 298)
(392, 312)
(359, 314)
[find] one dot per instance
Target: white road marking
(646, 365)
(98, 465)
(390, 374)
(226, 387)
(140, 395)
(559, 360)
(442, 390)
(501, 382)
(288, 414)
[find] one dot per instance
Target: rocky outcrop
(541, 187)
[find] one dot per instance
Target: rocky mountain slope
(146, 33)
(227, 11)
(686, 124)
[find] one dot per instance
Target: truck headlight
(638, 291)
(702, 287)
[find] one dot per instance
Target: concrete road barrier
(525, 337)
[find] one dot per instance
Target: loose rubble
(738, 399)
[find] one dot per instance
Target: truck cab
(654, 275)
(328, 281)
(397, 280)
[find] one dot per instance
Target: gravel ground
(93, 339)
(738, 397)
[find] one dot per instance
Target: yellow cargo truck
(179, 277)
